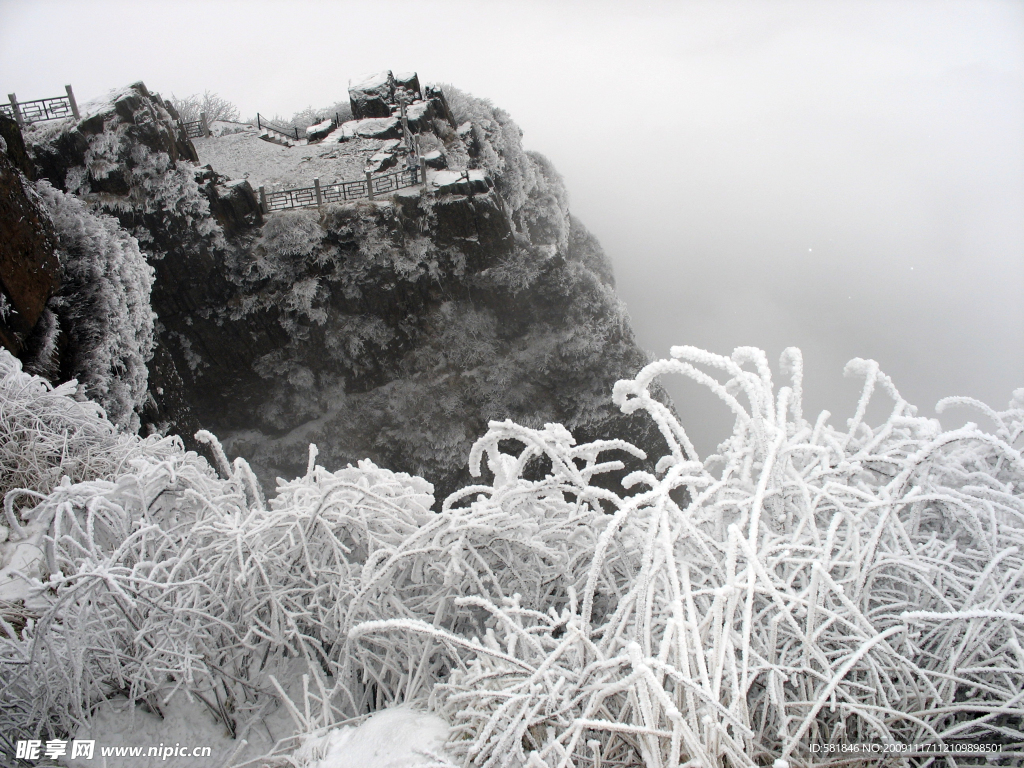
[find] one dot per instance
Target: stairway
(276, 134)
(276, 137)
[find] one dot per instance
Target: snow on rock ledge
(371, 95)
(371, 128)
(321, 130)
(460, 182)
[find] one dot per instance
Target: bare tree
(213, 106)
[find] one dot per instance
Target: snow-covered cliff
(392, 328)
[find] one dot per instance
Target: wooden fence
(196, 129)
(317, 195)
(27, 112)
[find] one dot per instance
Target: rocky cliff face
(392, 329)
(29, 265)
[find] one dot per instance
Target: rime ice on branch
(822, 585)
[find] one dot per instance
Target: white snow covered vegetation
(104, 304)
(818, 585)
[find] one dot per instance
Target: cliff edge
(393, 328)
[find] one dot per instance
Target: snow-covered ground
(246, 156)
(399, 737)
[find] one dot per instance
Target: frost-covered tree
(215, 107)
(497, 142)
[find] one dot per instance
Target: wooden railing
(38, 110)
(196, 129)
(339, 192)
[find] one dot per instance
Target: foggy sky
(845, 177)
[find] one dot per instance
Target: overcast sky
(846, 177)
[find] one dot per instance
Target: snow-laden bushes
(125, 172)
(530, 186)
(822, 586)
(103, 304)
(498, 145)
(46, 434)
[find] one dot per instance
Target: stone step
(276, 138)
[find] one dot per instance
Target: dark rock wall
(13, 144)
(29, 264)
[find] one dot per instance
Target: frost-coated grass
(46, 434)
(822, 585)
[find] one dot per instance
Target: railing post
(17, 111)
(71, 99)
(263, 199)
(420, 160)
(296, 132)
(258, 126)
(206, 126)
(405, 125)
(369, 185)
(316, 186)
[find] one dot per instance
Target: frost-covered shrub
(126, 171)
(105, 547)
(168, 191)
(303, 257)
(353, 338)
(282, 269)
(466, 336)
(171, 578)
(123, 158)
(286, 240)
(823, 586)
(820, 586)
(527, 182)
(103, 305)
(47, 434)
(544, 214)
(498, 142)
(586, 249)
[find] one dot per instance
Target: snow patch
(369, 128)
(416, 110)
(399, 737)
(458, 181)
(185, 723)
(319, 127)
(370, 82)
(226, 127)
(244, 156)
